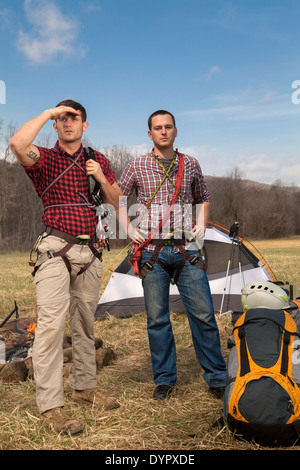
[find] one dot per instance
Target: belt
(79, 240)
(168, 242)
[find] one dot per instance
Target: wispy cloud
(261, 166)
(90, 6)
(248, 105)
(259, 22)
(213, 71)
(51, 33)
(5, 15)
(264, 168)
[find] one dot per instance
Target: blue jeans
(196, 296)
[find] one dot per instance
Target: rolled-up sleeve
(36, 172)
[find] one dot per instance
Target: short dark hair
(159, 113)
(75, 105)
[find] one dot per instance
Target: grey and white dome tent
(232, 262)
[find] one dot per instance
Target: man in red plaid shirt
(68, 270)
(170, 253)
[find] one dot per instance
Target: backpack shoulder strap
(290, 324)
(94, 186)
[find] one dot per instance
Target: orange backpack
(262, 396)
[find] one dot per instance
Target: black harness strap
(71, 240)
(245, 365)
(194, 260)
(148, 265)
(159, 243)
(53, 254)
(63, 253)
(96, 253)
(285, 353)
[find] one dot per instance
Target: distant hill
(214, 179)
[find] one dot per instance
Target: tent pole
(234, 229)
(242, 282)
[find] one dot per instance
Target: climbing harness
(179, 242)
(71, 240)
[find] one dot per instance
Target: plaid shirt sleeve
(35, 172)
(127, 182)
(106, 168)
(199, 188)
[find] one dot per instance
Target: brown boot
(94, 397)
(58, 420)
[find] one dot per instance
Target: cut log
(104, 356)
(29, 365)
(16, 339)
(68, 354)
(14, 372)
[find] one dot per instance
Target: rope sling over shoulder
(95, 193)
(159, 243)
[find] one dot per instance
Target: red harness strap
(138, 248)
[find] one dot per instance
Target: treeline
(262, 211)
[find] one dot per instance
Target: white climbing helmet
(264, 294)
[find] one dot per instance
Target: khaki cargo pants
(57, 290)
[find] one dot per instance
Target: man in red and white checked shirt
(169, 252)
(68, 270)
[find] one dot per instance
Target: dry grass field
(182, 423)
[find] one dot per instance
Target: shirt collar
(64, 153)
(160, 158)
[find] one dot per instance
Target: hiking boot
(95, 398)
(58, 420)
(162, 392)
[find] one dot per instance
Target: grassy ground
(283, 255)
(183, 423)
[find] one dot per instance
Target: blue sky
(224, 68)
